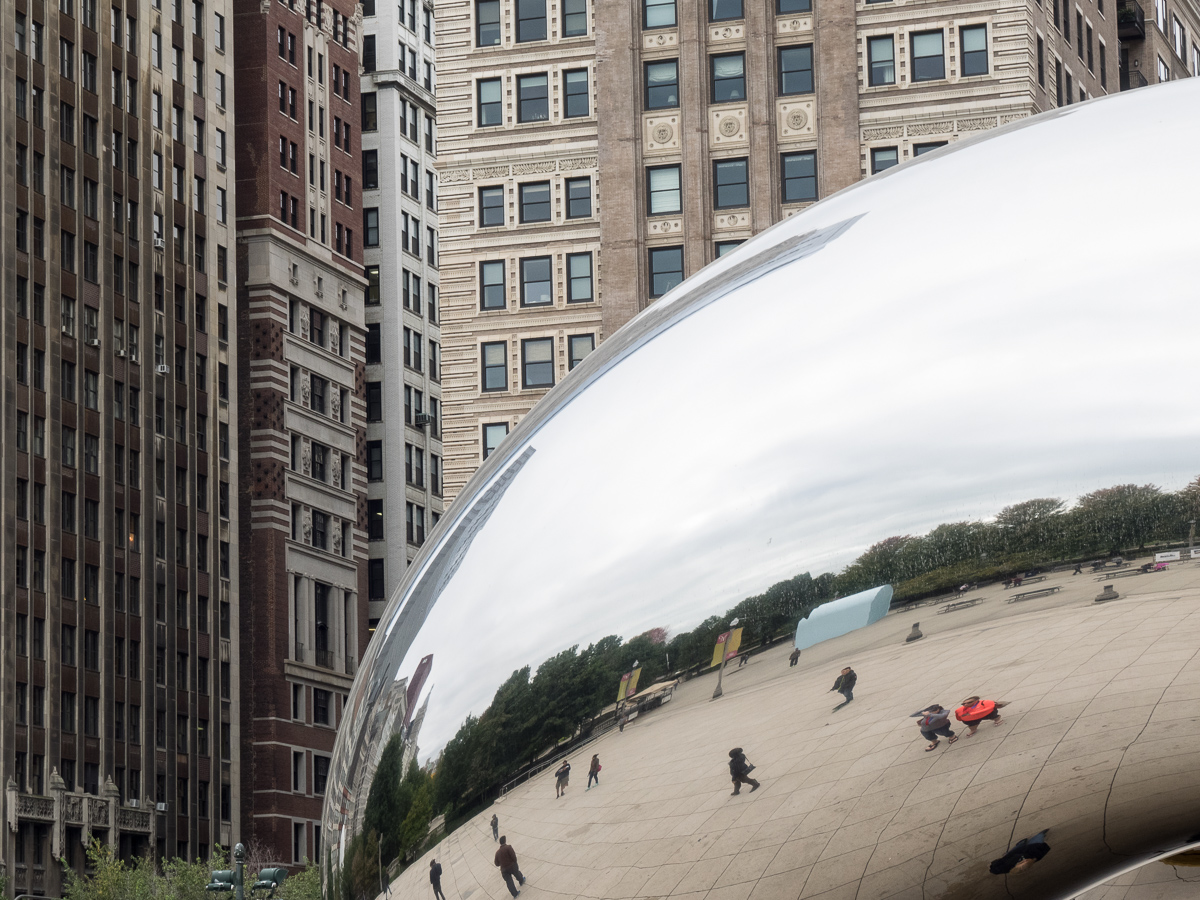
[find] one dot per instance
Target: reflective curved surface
(1005, 320)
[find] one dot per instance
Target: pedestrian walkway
(1100, 743)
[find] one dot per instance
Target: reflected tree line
(533, 712)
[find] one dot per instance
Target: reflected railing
(1132, 78)
(1131, 21)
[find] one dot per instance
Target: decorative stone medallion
(661, 133)
(661, 39)
(727, 125)
(796, 119)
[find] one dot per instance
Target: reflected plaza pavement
(1100, 744)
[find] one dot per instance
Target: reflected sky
(963, 345)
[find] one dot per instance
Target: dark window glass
(787, 7)
(731, 187)
(884, 158)
(579, 198)
(374, 460)
(662, 85)
(531, 20)
(928, 61)
(579, 277)
(494, 360)
(491, 105)
(666, 269)
(579, 346)
(974, 50)
(799, 176)
(535, 281)
(576, 100)
(374, 401)
(881, 55)
(487, 23)
(724, 247)
(658, 13)
(491, 285)
(728, 77)
(921, 149)
(796, 70)
(491, 206)
(493, 434)
(535, 201)
(720, 10)
(537, 362)
(574, 18)
(533, 98)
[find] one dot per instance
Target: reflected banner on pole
(624, 688)
(719, 649)
(633, 680)
(734, 642)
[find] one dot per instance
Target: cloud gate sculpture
(969, 379)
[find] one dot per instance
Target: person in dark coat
(495, 827)
(435, 878)
(594, 771)
(794, 657)
(1024, 854)
(506, 859)
(935, 720)
(739, 771)
(845, 686)
(561, 777)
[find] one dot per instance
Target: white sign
(1169, 556)
(1196, 553)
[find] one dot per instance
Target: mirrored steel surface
(1012, 318)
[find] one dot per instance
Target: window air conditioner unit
(66, 329)
(121, 353)
(423, 419)
(160, 807)
(159, 243)
(162, 369)
(133, 803)
(94, 342)
(133, 357)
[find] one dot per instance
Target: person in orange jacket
(974, 710)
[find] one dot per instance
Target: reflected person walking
(845, 686)
(506, 859)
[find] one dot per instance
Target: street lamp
(1191, 533)
(724, 656)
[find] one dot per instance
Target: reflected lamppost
(1191, 533)
(724, 656)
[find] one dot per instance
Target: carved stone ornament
(304, 388)
(337, 539)
(662, 133)
(882, 134)
(578, 162)
(981, 124)
(490, 172)
(924, 128)
(455, 176)
(264, 7)
(797, 119)
(304, 320)
(306, 516)
(336, 475)
(729, 126)
(335, 337)
(335, 404)
(305, 456)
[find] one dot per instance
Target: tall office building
(594, 155)
(400, 250)
(302, 428)
(1160, 42)
(120, 608)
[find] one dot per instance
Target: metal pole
(379, 857)
(239, 871)
(720, 674)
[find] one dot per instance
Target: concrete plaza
(1100, 743)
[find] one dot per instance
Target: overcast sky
(933, 364)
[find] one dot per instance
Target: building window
(788, 7)
(491, 206)
(491, 105)
(666, 269)
(533, 98)
(535, 281)
(1041, 60)
(579, 198)
(658, 13)
(487, 23)
(662, 85)
(370, 115)
(579, 278)
(881, 54)
(531, 20)
(724, 247)
(491, 285)
(576, 101)
(574, 18)
(731, 186)
(493, 434)
(664, 195)
(537, 362)
(374, 401)
(922, 149)
(1164, 75)
(929, 63)
(374, 460)
(494, 361)
(974, 50)
(728, 77)
(368, 53)
(535, 201)
(883, 158)
(796, 70)
(579, 346)
(371, 227)
(799, 176)
(720, 10)
(375, 582)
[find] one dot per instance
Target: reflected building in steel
(970, 386)
(593, 155)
